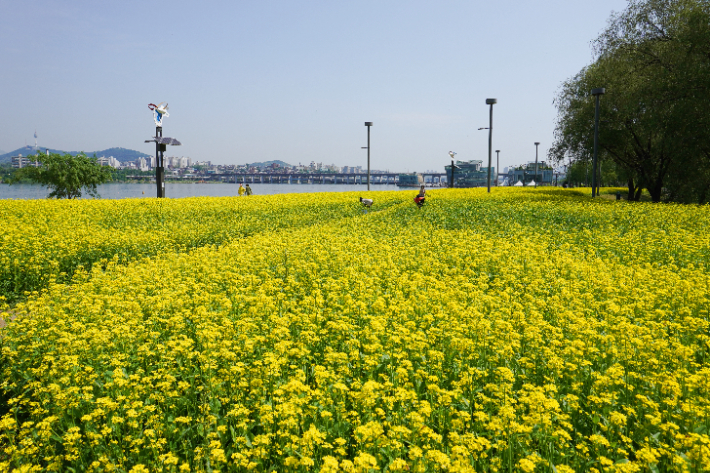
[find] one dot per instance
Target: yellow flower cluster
(526, 330)
(49, 240)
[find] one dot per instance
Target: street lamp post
(537, 143)
(596, 93)
(490, 139)
(497, 167)
(368, 125)
(159, 161)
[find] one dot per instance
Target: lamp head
(491, 101)
(599, 91)
(368, 123)
(537, 143)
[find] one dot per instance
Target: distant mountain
(121, 154)
(269, 163)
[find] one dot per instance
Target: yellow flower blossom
(521, 329)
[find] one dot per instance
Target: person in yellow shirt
(241, 190)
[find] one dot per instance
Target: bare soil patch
(6, 318)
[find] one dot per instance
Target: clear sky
(255, 80)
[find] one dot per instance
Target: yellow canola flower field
(528, 330)
(43, 241)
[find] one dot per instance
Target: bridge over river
(308, 178)
(322, 178)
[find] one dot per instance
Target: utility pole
(596, 93)
(159, 162)
(368, 125)
(453, 166)
(490, 102)
(537, 143)
(497, 167)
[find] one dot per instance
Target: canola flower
(528, 330)
(43, 241)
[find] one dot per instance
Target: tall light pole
(596, 93)
(160, 111)
(453, 166)
(537, 143)
(497, 167)
(368, 125)
(490, 139)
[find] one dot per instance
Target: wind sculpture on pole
(160, 111)
(453, 166)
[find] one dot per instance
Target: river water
(120, 190)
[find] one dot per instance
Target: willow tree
(654, 61)
(66, 175)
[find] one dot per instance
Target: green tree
(654, 61)
(66, 175)
(632, 132)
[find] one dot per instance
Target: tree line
(653, 59)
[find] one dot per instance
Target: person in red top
(419, 199)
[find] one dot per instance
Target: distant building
(315, 166)
(410, 180)
(470, 174)
(143, 164)
(525, 174)
(110, 161)
(177, 162)
(19, 162)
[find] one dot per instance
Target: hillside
(122, 154)
(269, 163)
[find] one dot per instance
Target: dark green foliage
(68, 176)
(654, 61)
(264, 164)
(122, 175)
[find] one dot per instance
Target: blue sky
(258, 80)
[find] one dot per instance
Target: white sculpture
(159, 111)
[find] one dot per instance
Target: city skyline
(275, 80)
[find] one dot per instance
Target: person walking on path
(241, 190)
(419, 199)
(248, 190)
